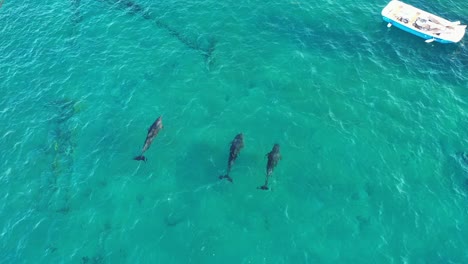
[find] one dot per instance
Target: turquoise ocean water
(372, 124)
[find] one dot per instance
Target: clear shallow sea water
(371, 123)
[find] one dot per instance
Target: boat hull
(414, 32)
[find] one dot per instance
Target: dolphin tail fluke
(225, 177)
(265, 186)
(141, 157)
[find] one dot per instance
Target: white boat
(421, 23)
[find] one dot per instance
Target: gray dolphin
(236, 145)
(152, 133)
(274, 157)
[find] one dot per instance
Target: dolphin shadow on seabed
(206, 48)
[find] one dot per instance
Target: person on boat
(402, 19)
(422, 24)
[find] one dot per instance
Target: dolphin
(236, 145)
(152, 133)
(274, 157)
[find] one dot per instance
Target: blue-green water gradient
(372, 123)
